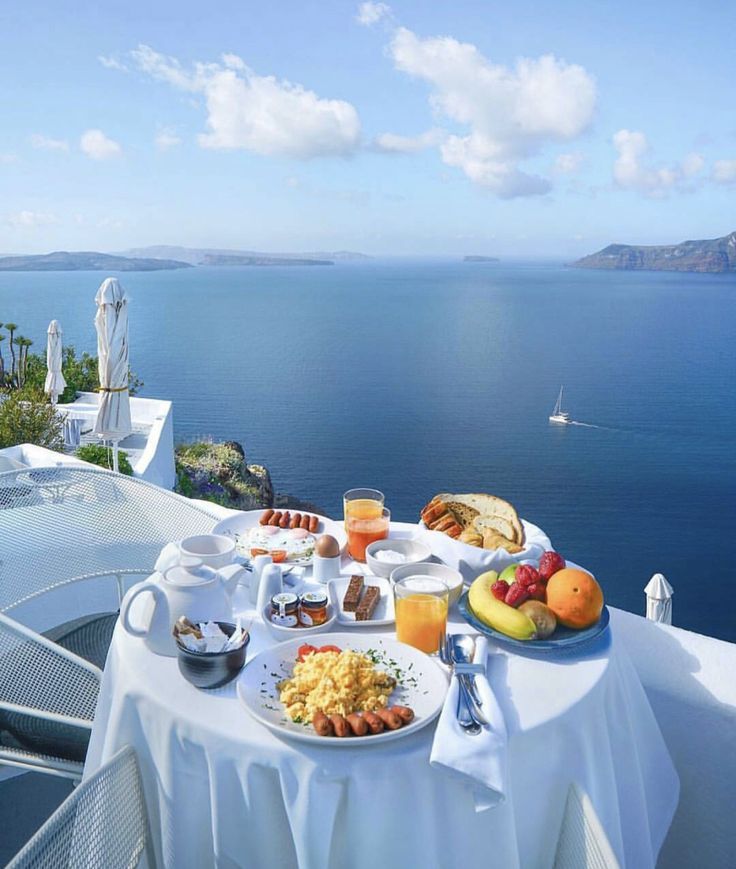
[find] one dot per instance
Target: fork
(464, 712)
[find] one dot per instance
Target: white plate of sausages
(283, 523)
(421, 688)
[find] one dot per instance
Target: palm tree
(22, 343)
(2, 361)
(11, 327)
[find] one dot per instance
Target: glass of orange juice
(421, 604)
(363, 530)
(364, 503)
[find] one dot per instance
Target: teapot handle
(159, 599)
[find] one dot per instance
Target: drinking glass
(421, 604)
(364, 503)
(363, 530)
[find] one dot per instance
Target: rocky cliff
(219, 472)
(709, 255)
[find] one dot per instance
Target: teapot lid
(190, 572)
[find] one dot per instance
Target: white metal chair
(59, 526)
(102, 824)
(583, 843)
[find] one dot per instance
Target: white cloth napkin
(480, 759)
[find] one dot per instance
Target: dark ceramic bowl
(212, 669)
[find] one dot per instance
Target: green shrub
(26, 417)
(97, 454)
(81, 373)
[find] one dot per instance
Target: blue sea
(423, 376)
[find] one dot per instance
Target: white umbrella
(659, 599)
(55, 383)
(111, 321)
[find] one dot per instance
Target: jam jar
(313, 609)
(285, 609)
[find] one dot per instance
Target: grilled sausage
(404, 713)
(322, 724)
(305, 522)
(342, 728)
(265, 517)
(295, 520)
(313, 524)
(275, 519)
(285, 519)
(375, 725)
(390, 718)
(358, 725)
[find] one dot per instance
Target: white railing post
(659, 599)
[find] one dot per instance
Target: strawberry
(527, 575)
(537, 591)
(550, 563)
(517, 595)
(500, 589)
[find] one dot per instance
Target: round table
(223, 790)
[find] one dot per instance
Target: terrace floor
(26, 801)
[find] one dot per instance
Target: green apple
(509, 573)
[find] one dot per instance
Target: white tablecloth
(222, 790)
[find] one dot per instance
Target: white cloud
(569, 164)
(166, 139)
(7, 159)
(110, 62)
(45, 143)
(724, 171)
(371, 13)
(258, 113)
(632, 169)
(30, 219)
(394, 144)
(97, 146)
(510, 113)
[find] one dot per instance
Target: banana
(497, 614)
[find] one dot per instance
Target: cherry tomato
(278, 555)
(330, 649)
(305, 650)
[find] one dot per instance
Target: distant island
(198, 256)
(245, 260)
(82, 261)
(481, 259)
(709, 255)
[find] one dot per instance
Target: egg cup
(325, 569)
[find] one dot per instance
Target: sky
(411, 128)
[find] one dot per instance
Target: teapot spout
(231, 575)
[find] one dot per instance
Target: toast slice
(499, 524)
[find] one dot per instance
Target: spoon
(464, 712)
(462, 649)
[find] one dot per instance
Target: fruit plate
(239, 526)
(422, 686)
(562, 640)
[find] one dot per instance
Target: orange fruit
(575, 598)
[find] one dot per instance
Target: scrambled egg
(336, 684)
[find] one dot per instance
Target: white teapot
(183, 585)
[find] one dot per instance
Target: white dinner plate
(422, 686)
(239, 525)
(383, 614)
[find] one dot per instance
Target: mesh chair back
(583, 843)
(102, 825)
(61, 523)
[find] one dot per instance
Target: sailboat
(558, 414)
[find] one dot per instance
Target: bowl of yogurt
(384, 556)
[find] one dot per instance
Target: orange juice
(421, 619)
(364, 526)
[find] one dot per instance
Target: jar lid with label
(314, 600)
